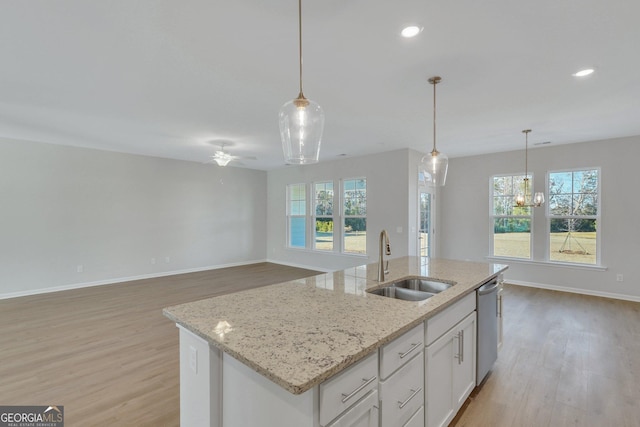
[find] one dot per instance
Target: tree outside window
(323, 213)
(511, 225)
(355, 215)
(573, 216)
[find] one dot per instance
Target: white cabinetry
(464, 366)
(345, 393)
(363, 414)
(450, 360)
(402, 380)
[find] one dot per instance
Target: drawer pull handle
(413, 394)
(403, 355)
(359, 389)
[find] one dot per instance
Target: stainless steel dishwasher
(487, 306)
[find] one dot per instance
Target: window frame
(290, 215)
(597, 217)
(344, 216)
(493, 216)
(315, 216)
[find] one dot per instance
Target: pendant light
(301, 121)
(435, 164)
(522, 200)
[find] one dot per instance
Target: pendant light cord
(526, 154)
(300, 43)
(434, 81)
(434, 116)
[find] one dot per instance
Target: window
(425, 223)
(511, 225)
(311, 218)
(354, 201)
(323, 210)
(296, 215)
(573, 216)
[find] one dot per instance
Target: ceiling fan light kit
(221, 157)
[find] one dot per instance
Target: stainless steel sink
(412, 289)
(424, 285)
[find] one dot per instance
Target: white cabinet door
(362, 414)
(464, 368)
(451, 371)
(441, 355)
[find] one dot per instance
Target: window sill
(548, 263)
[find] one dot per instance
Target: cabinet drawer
(401, 350)
(363, 413)
(447, 319)
(403, 393)
(346, 388)
(417, 420)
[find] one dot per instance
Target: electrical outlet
(619, 277)
(193, 359)
(80, 268)
(153, 261)
(167, 259)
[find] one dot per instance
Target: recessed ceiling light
(411, 31)
(583, 73)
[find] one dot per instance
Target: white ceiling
(173, 78)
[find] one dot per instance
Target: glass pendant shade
(434, 166)
(538, 199)
(301, 125)
(301, 121)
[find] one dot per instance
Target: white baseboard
(575, 290)
(124, 279)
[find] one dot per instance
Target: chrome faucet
(382, 268)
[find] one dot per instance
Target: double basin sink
(412, 289)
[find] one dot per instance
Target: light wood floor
(109, 356)
(567, 360)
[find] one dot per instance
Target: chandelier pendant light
(435, 164)
(301, 121)
(522, 199)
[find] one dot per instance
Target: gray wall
(111, 213)
(466, 230)
(391, 203)
(61, 207)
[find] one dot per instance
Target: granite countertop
(302, 332)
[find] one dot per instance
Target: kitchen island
(264, 352)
